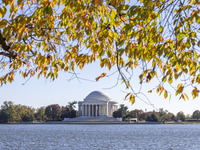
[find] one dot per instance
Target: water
(99, 137)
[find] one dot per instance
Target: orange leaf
(127, 95)
(12, 77)
(97, 79)
(103, 75)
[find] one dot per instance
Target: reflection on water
(99, 137)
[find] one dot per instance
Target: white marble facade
(97, 103)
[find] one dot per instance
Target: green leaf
(164, 79)
(3, 11)
(170, 80)
(198, 19)
(170, 97)
(19, 2)
(125, 7)
(3, 23)
(109, 53)
(198, 43)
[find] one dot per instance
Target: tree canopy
(160, 37)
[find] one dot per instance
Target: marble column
(92, 111)
(96, 110)
(89, 110)
(86, 110)
(110, 112)
(82, 110)
(79, 110)
(106, 109)
(100, 110)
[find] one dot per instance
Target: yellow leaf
(20, 30)
(165, 94)
(11, 3)
(132, 99)
(150, 91)
(178, 87)
(87, 24)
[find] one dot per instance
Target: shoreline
(98, 123)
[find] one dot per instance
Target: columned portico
(97, 104)
(96, 110)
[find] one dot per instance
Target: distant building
(97, 104)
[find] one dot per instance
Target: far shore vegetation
(11, 113)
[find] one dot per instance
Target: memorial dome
(97, 95)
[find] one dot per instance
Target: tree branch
(6, 47)
(3, 43)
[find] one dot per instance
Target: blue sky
(42, 92)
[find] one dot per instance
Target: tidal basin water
(99, 137)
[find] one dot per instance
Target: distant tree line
(20, 113)
(10, 113)
(161, 115)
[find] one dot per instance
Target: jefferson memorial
(97, 104)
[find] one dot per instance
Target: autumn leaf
(127, 95)
(101, 76)
(133, 37)
(132, 99)
(165, 94)
(3, 23)
(98, 2)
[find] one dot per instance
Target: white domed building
(97, 104)
(96, 107)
